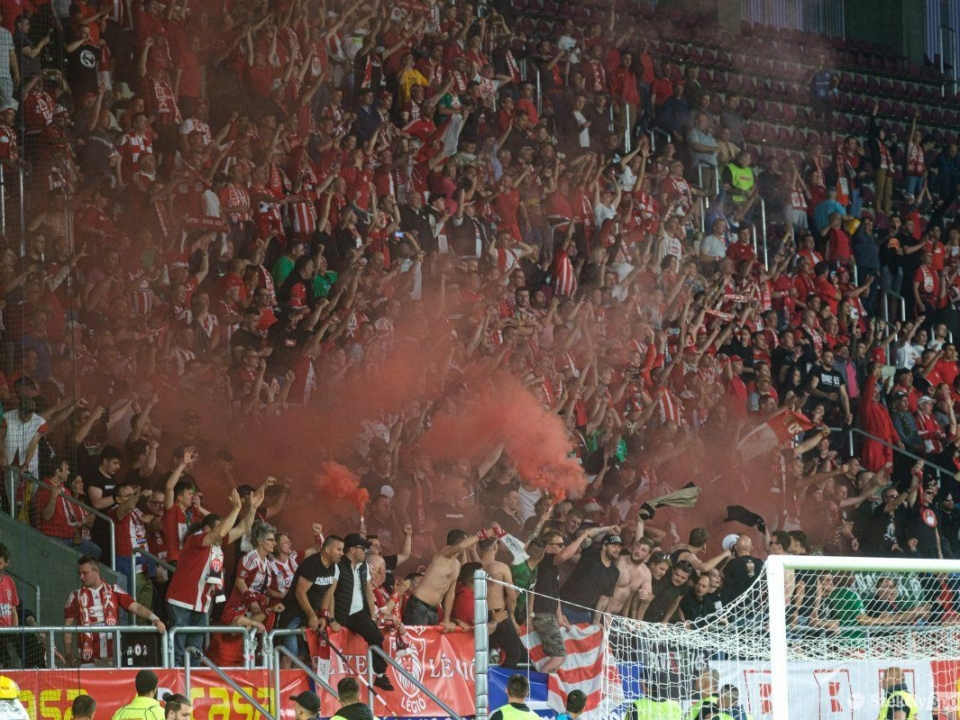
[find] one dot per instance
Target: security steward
(10, 706)
(145, 705)
(518, 689)
(898, 702)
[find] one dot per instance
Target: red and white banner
(777, 430)
(587, 655)
(48, 694)
(441, 662)
(843, 691)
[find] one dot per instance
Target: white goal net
(818, 638)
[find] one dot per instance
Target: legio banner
(443, 663)
(48, 694)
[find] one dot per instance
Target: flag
(588, 657)
(773, 433)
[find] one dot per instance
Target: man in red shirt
(9, 600)
(742, 248)
(177, 502)
(56, 517)
(97, 604)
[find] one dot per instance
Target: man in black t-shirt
(308, 602)
(827, 385)
(547, 620)
(593, 580)
(98, 488)
(741, 572)
(667, 594)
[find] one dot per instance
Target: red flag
(772, 434)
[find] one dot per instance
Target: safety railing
(116, 630)
(300, 665)
(481, 640)
(654, 131)
(249, 640)
(899, 299)
(938, 470)
(160, 562)
(716, 176)
(12, 474)
(763, 234)
(193, 652)
(947, 32)
(36, 592)
(399, 669)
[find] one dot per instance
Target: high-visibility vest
(912, 707)
(742, 180)
(509, 712)
(694, 712)
(648, 709)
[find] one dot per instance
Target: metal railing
(11, 473)
(204, 660)
(399, 669)
(249, 645)
(937, 469)
(36, 592)
(133, 568)
(481, 639)
(302, 666)
(115, 630)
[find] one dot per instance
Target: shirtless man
(502, 601)
(438, 584)
(697, 546)
(634, 584)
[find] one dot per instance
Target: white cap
(925, 399)
(9, 105)
(729, 541)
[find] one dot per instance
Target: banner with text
(48, 694)
(443, 663)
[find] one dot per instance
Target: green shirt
(648, 709)
(523, 577)
(142, 708)
(847, 607)
(281, 269)
(322, 284)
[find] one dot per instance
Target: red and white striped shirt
(96, 607)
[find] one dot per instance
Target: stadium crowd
(236, 213)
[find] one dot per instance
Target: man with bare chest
(502, 601)
(438, 585)
(634, 583)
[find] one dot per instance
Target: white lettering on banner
(830, 691)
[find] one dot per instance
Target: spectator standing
(97, 604)
(199, 578)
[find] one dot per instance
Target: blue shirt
(823, 210)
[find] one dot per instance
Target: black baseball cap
(355, 540)
(309, 701)
(612, 539)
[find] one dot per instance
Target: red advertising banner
(48, 694)
(441, 662)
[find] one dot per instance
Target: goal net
(813, 637)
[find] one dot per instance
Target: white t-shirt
(713, 246)
(908, 355)
(19, 435)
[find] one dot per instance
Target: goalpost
(820, 638)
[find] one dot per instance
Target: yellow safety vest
(141, 708)
(742, 180)
(695, 708)
(912, 707)
(509, 712)
(648, 709)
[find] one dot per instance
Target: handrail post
(371, 696)
(763, 231)
(482, 641)
(539, 94)
(10, 482)
(52, 649)
(187, 657)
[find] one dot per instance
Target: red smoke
(502, 411)
(338, 483)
